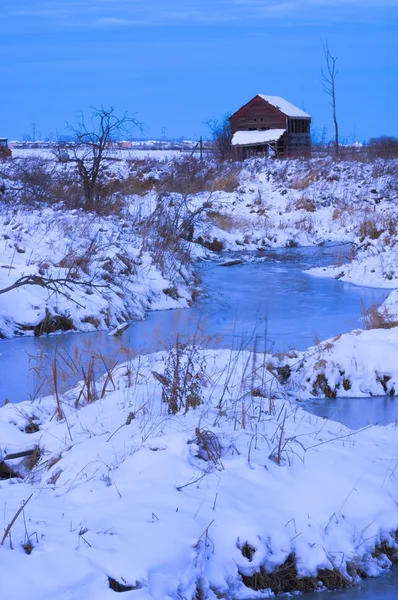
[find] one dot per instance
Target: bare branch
(90, 150)
(328, 81)
(55, 285)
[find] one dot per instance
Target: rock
(119, 329)
(231, 263)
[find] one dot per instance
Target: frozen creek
(271, 304)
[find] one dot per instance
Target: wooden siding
(258, 114)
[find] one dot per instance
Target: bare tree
(91, 149)
(329, 85)
(221, 137)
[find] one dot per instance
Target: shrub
(300, 182)
(214, 245)
(183, 378)
(305, 204)
(226, 183)
(221, 137)
(383, 147)
(376, 318)
(226, 222)
(369, 228)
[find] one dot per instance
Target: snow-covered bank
(192, 504)
(158, 216)
(355, 364)
(111, 276)
(375, 265)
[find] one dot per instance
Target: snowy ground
(120, 154)
(189, 505)
(184, 481)
(356, 364)
(120, 280)
(245, 208)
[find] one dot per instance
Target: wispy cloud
(122, 13)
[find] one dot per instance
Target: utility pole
(33, 131)
(201, 148)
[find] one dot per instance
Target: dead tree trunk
(329, 85)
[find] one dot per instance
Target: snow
(253, 138)
(275, 204)
(129, 153)
(125, 490)
(353, 365)
(122, 280)
(165, 502)
(286, 107)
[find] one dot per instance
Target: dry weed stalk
(374, 318)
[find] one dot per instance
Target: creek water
(384, 587)
(272, 305)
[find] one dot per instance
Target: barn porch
(250, 143)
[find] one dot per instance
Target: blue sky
(179, 63)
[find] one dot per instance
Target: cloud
(122, 13)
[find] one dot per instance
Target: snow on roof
(254, 138)
(284, 106)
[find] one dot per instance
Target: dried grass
(286, 580)
(376, 318)
(305, 204)
(227, 222)
(226, 183)
(369, 228)
(302, 182)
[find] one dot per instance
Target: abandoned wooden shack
(270, 123)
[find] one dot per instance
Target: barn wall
(257, 114)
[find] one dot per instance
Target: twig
(8, 529)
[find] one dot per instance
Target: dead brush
(285, 446)
(79, 263)
(305, 224)
(369, 228)
(225, 183)
(376, 318)
(59, 372)
(344, 214)
(166, 231)
(285, 579)
(138, 184)
(209, 446)
(227, 222)
(305, 204)
(302, 182)
(183, 378)
(387, 549)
